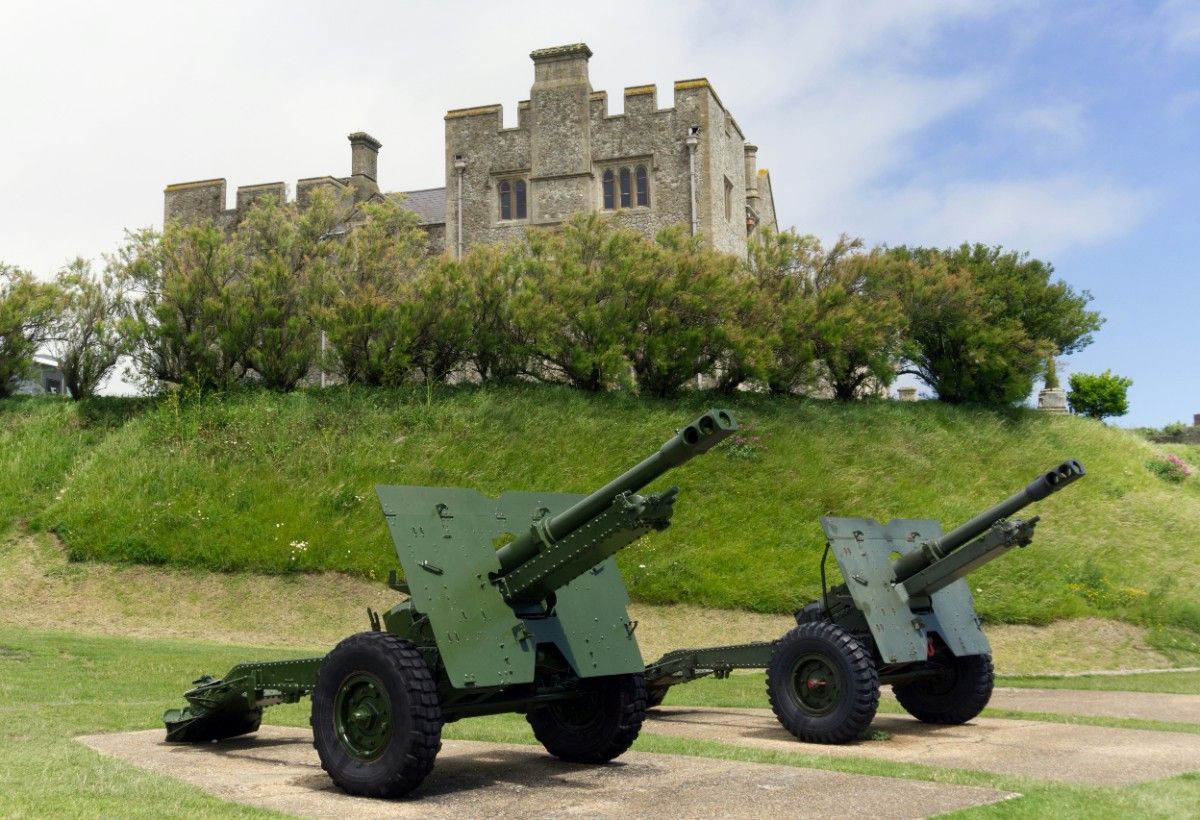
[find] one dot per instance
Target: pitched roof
(429, 204)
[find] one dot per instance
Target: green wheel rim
(816, 684)
(362, 715)
(581, 714)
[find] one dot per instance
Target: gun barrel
(696, 438)
(1048, 482)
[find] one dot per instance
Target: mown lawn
(56, 686)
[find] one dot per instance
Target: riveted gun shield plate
(446, 541)
(863, 549)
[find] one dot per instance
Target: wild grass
(284, 484)
(41, 439)
(40, 589)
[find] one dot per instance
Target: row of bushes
(590, 304)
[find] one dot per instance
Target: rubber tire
(856, 709)
(655, 697)
(416, 716)
(953, 701)
(621, 702)
(810, 614)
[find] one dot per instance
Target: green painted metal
(445, 542)
(863, 548)
(362, 715)
(817, 683)
(513, 601)
(683, 665)
(903, 585)
(220, 706)
(695, 439)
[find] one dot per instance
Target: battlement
(205, 199)
(640, 100)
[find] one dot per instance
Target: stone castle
(648, 168)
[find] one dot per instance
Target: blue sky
(1069, 129)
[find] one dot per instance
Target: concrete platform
(1046, 751)
(1143, 705)
(278, 769)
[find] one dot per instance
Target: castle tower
(560, 133)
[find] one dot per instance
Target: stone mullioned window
(513, 199)
(626, 188)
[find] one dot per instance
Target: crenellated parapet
(650, 167)
(191, 202)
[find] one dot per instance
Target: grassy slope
(282, 483)
(312, 612)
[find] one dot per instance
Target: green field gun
(904, 617)
(515, 605)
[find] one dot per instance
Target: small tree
(366, 292)
(89, 335)
(28, 310)
(850, 321)
(678, 300)
(831, 318)
(780, 264)
(981, 321)
(573, 304)
(499, 344)
(441, 315)
(281, 254)
(179, 284)
(1098, 395)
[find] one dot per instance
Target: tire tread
(963, 702)
(614, 739)
(863, 685)
(425, 739)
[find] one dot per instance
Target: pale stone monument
(1052, 398)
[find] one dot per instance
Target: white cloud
(1179, 24)
(1043, 216)
(108, 103)
(1061, 124)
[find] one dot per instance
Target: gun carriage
(515, 605)
(904, 617)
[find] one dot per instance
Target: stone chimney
(751, 152)
(364, 155)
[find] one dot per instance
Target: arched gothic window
(625, 188)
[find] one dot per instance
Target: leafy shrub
(27, 312)
(1099, 395)
(981, 321)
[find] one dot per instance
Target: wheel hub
(816, 684)
(362, 715)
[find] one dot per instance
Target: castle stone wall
(564, 142)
